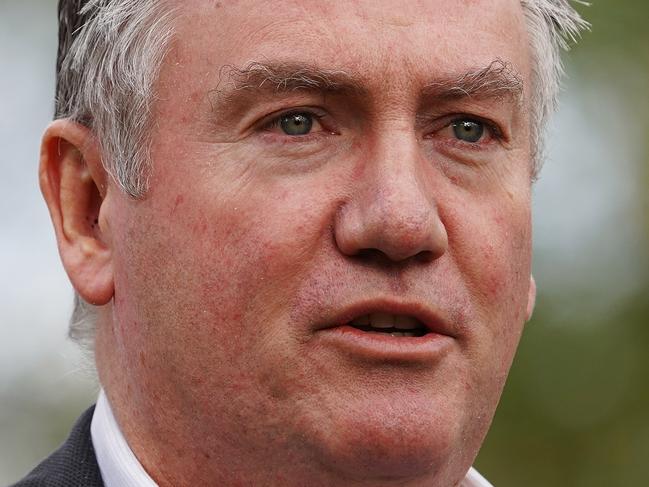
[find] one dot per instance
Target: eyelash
(273, 121)
(494, 129)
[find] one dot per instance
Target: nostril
(424, 257)
(400, 228)
(380, 258)
(373, 256)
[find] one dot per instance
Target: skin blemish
(359, 170)
(495, 285)
(488, 251)
(179, 200)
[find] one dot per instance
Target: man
(299, 233)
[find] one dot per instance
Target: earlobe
(73, 183)
(531, 299)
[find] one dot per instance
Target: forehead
(387, 40)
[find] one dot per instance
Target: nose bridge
(392, 209)
(396, 187)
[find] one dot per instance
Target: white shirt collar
(474, 479)
(117, 463)
(120, 468)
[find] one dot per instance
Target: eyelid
(495, 131)
(272, 120)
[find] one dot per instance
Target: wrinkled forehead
(387, 41)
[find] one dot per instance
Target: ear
(73, 183)
(531, 299)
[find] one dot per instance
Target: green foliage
(574, 412)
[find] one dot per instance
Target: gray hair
(109, 56)
(111, 51)
(552, 25)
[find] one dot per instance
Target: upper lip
(428, 316)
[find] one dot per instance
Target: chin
(389, 446)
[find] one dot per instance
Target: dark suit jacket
(73, 465)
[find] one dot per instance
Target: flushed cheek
(242, 254)
(495, 250)
(217, 285)
(490, 244)
(504, 277)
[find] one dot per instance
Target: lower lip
(383, 346)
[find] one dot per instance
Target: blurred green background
(575, 411)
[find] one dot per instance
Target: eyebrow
(283, 78)
(497, 80)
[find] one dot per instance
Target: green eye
(296, 123)
(468, 130)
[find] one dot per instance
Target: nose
(392, 207)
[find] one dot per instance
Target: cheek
(491, 246)
(506, 253)
(221, 264)
(204, 288)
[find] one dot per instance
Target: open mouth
(390, 324)
(388, 330)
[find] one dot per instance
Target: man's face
(321, 170)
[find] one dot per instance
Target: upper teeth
(386, 320)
